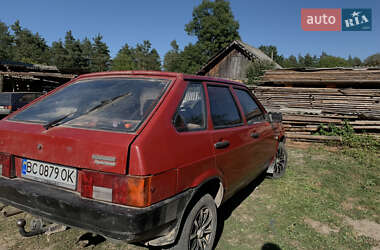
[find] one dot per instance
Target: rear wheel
(199, 229)
(280, 163)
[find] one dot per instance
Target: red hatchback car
(138, 156)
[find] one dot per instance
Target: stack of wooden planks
(328, 77)
(305, 110)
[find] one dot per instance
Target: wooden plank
(38, 74)
(313, 137)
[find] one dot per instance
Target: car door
(259, 131)
(229, 137)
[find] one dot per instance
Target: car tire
(199, 230)
(280, 162)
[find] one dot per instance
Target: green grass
(327, 188)
(317, 186)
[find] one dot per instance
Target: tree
(328, 61)
(308, 60)
(192, 59)
(87, 54)
(74, 61)
(146, 58)
(100, 58)
(271, 51)
(172, 58)
(290, 62)
(29, 47)
(256, 70)
(58, 53)
(143, 57)
(124, 59)
(214, 25)
(6, 41)
(373, 60)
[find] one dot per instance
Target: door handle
(255, 135)
(221, 144)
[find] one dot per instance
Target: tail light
(119, 189)
(9, 107)
(6, 168)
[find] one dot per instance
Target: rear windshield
(119, 104)
(5, 99)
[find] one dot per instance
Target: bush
(362, 147)
(256, 70)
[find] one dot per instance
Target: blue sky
(275, 22)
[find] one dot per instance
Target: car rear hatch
(78, 137)
(88, 124)
(80, 148)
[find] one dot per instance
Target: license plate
(49, 173)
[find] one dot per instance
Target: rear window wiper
(103, 103)
(57, 121)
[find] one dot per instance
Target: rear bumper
(118, 222)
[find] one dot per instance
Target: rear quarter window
(252, 111)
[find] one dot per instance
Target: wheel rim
(279, 167)
(201, 230)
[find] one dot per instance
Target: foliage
(123, 59)
(290, 62)
(328, 61)
(271, 51)
(355, 62)
(99, 55)
(323, 61)
(373, 60)
(6, 41)
(214, 26)
(256, 70)
(172, 59)
(87, 54)
(143, 57)
(355, 145)
(75, 56)
(28, 47)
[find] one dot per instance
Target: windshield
(119, 104)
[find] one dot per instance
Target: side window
(224, 111)
(191, 113)
(252, 111)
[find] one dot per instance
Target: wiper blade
(57, 121)
(105, 103)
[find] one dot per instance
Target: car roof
(162, 74)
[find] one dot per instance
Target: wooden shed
(23, 77)
(232, 61)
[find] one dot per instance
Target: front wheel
(199, 229)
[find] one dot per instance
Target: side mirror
(273, 117)
(179, 123)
